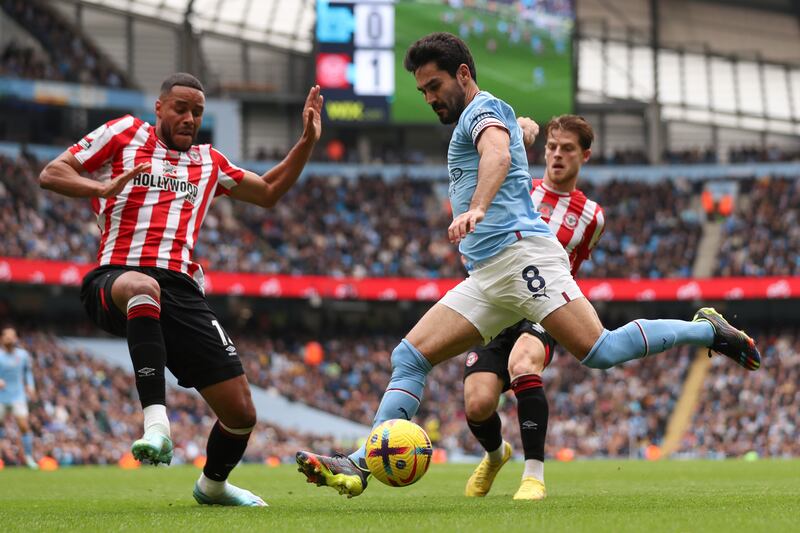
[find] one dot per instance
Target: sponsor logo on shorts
(472, 358)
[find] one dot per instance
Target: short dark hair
(448, 51)
(575, 124)
(182, 79)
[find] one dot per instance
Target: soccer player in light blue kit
(517, 267)
(16, 384)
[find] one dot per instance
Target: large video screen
(522, 51)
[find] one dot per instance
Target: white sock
(534, 468)
(496, 456)
(155, 418)
(209, 487)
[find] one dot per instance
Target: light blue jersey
(16, 371)
(511, 215)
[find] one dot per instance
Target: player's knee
(243, 415)
(141, 285)
(527, 357)
(479, 407)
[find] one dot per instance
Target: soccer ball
(398, 452)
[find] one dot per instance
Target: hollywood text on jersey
(167, 183)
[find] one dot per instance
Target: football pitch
(592, 496)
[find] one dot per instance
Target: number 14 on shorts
(226, 340)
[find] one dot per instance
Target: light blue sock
(27, 443)
(404, 392)
(640, 338)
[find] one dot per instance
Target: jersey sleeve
(488, 114)
(228, 174)
(97, 147)
(593, 234)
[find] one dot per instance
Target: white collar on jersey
(559, 193)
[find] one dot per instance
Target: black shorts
(493, 357)
(199, 352)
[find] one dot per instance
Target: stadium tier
(83, 412)
(653, 231)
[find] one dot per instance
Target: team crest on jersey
(546, 210)
(170, 170)
(472, 358)
(571, 220)
(194, 155)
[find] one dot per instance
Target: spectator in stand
(762, 238)
(759, 154)
(741, 413)
(83, 414)
(348, 234)
(72, 57)
(651, 230)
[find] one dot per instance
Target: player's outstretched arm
(266, 190)
(495, 160)
(63, 175)
(530, 130)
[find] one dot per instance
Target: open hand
(312, 114)
(113, 187)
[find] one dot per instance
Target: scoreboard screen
(355, 65)
(522, 51)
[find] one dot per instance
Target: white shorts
(18, 409)
(529, 279)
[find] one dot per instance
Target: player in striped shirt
(151, 188)
(516, 358)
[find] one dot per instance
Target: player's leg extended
(529, 357)
(232, 403)
(481, 393)
(139, 295)
(576, 326)
(441, 334)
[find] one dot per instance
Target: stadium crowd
(610, 414)
(762, 237)
(364, 227)
(743, 412)
(652, 230)
(70, 56)
(85, 411)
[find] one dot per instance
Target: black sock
(532, 411)
(488, 432)
(224, 451)
(147, 348)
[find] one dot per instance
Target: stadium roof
(283, 24)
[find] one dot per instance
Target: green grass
(583, 496)
(506, 73)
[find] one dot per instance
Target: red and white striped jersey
(155, 221)
(575, 220)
